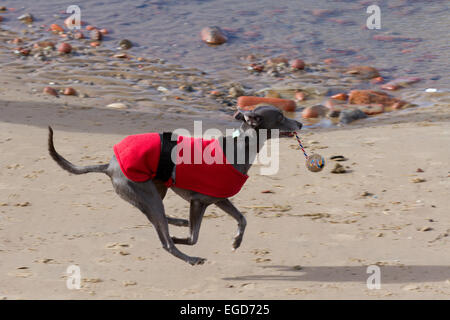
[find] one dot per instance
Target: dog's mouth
(287, 134)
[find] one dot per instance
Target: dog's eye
(281, 118)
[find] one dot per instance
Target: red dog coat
(200, 166)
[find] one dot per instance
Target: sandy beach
(309, 235)
(313, 237)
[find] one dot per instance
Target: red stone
(70, 92)
(330, 61)
(50, 91)
(298, 64)
(300, 96)
(249, 103)
(56, 28)
(365, 72)
(213, 35)
(364, 97)
(340, 96)
(65, 48)
(314, 111)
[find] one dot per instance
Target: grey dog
(148, 196)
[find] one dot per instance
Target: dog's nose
(299, 124)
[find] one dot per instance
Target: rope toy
(314, 162)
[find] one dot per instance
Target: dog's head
(267, 117)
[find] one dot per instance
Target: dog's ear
(253, 119)
(249, 117)
(239, 116)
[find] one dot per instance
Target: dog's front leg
(229, 208)
(196, 212)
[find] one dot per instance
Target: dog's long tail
(66, 165)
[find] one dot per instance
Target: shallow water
(170, 30)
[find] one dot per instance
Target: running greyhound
(147, 193)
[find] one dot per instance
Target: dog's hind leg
(162, 190)
(227, 206)
(196, 211)
(145, 197)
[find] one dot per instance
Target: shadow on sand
(389, 274)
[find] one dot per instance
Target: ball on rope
(314, 162)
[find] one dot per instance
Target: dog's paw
(196, 261)
(237, 242)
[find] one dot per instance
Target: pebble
(340, 96)
(256, 67)
(300, 96)
(370, 96)
(120, 56)
(377, 80)
(315, 111)
(277, 61)
(400, 83)
(250, 102)
(125, 44)
(50, 91)
(330, 61)
(348, 116)
(96, 35)
(363, 72)
(213, 35)
(372, 109)
(187, 88)
(78, 35)
(65, 48)
(117, 105)
(236, 91)
(94, 44)
(418, 180)
(338, 168)
(26, 18)
(69, 91)
(298, 64)
(56, 28)
(44, 45)
(162, 89)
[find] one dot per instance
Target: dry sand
(313, 237)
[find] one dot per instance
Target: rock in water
(316, 111)
(250, 102)
(374, 97)
(65, 48)
(363, 72)
(26, 18)
(213, 35)
(96, 35)
(50, 91)
(347, 116)
(117, 105)
(70, 91)
(125, 44)
(298, 64)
